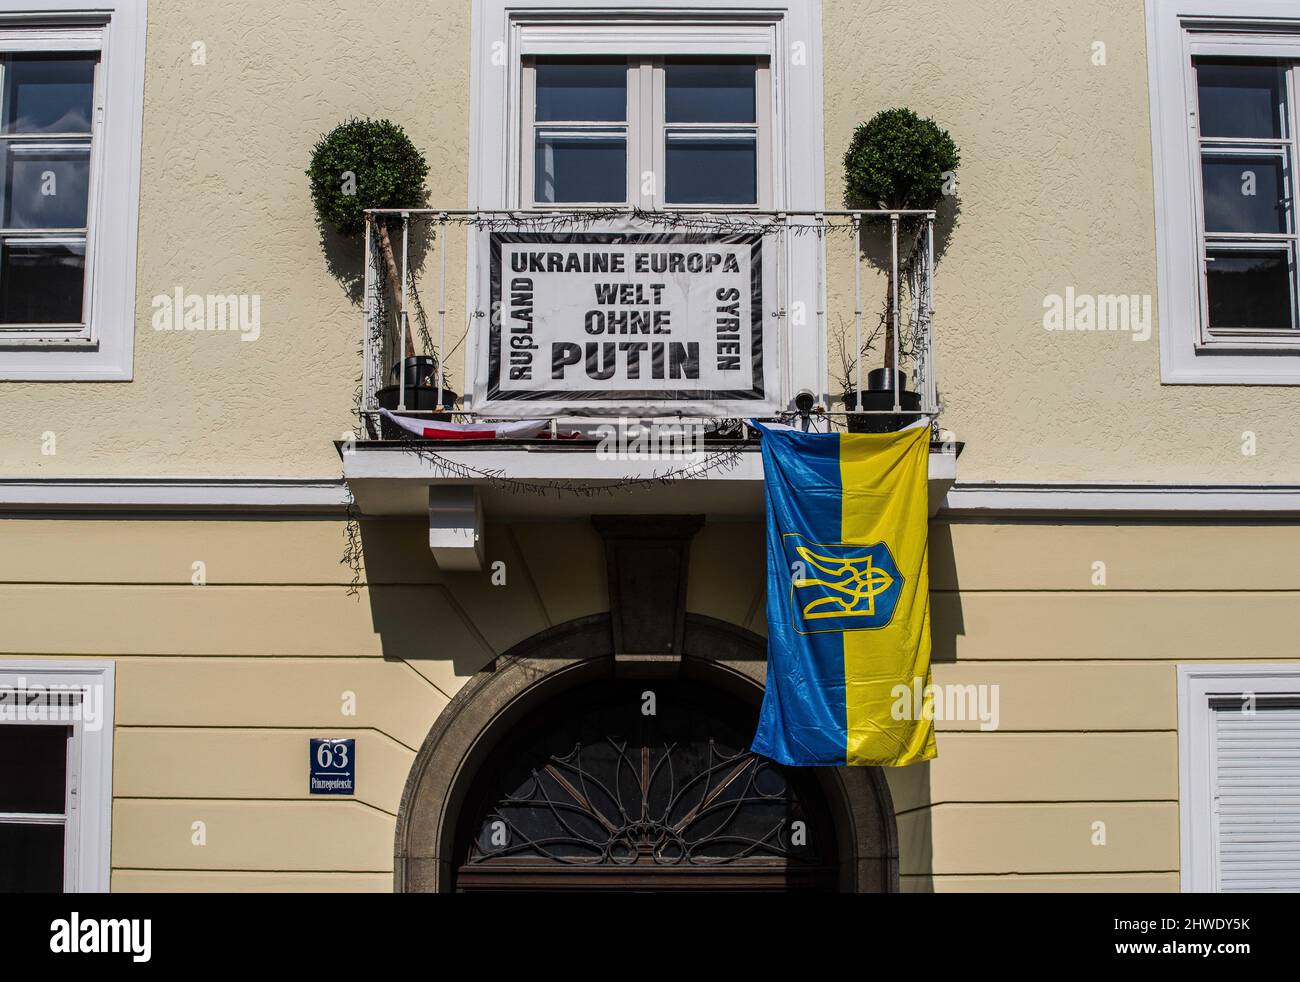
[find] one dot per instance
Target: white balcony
(701, 314)
(633, 318)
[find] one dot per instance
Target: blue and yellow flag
(848, 598)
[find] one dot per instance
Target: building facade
(547, 657)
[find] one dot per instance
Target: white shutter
(1256, 788)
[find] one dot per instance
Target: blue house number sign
(333, 766)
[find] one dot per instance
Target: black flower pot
(421, 394)
(879, 395)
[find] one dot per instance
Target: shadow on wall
(946, 621)
(403, 593)
(345, 256)
(875, 243)
(910, 786)
(345, 260)
(916, 836)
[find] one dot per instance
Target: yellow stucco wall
(224, 209)
(240, 672)
(1055, 191)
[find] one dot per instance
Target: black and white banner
(624, 323)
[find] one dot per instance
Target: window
(1223, 91)
(47, 104)
(56, 725)
(35, 800)
(580, 133)
(1239, 788)
(1248, 187)
(71, 91)
(602, 131)
(711, 133)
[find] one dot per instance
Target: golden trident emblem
(860, 581)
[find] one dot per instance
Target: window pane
(34, 762)
(595, 93)
(712, 169)
(1244, 193)
(31, 858)
(44, 188)
(48, 93)
(41, 283)
(710, 93)
(581, 168)
(1249, 288)
(1241, 99)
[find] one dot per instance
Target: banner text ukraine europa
(626, 321)
(848, 597)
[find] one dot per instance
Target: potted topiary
(896, 160)
(372, 163)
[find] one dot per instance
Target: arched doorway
(552, 701)
(642, 785)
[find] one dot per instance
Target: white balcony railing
(818, 313)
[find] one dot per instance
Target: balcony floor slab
(392, 479)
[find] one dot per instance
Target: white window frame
(646, 128)
(89, 809)
(1197, 686)
(787, 33)
(104, 351)
(1177, 32)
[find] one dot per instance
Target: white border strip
(220, 494)
(328, 494)
(1151, 499)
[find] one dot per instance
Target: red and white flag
(532, 429)
(433, 429)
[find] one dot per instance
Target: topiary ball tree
(361, 164)
(365, 163)
(897, 160)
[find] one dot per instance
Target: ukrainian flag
(848, 598)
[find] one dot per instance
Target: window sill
(65, 361)
(47, 344)
(1287, 372)
(1224, 361)
(1250, 344)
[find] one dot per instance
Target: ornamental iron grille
(646, 779)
